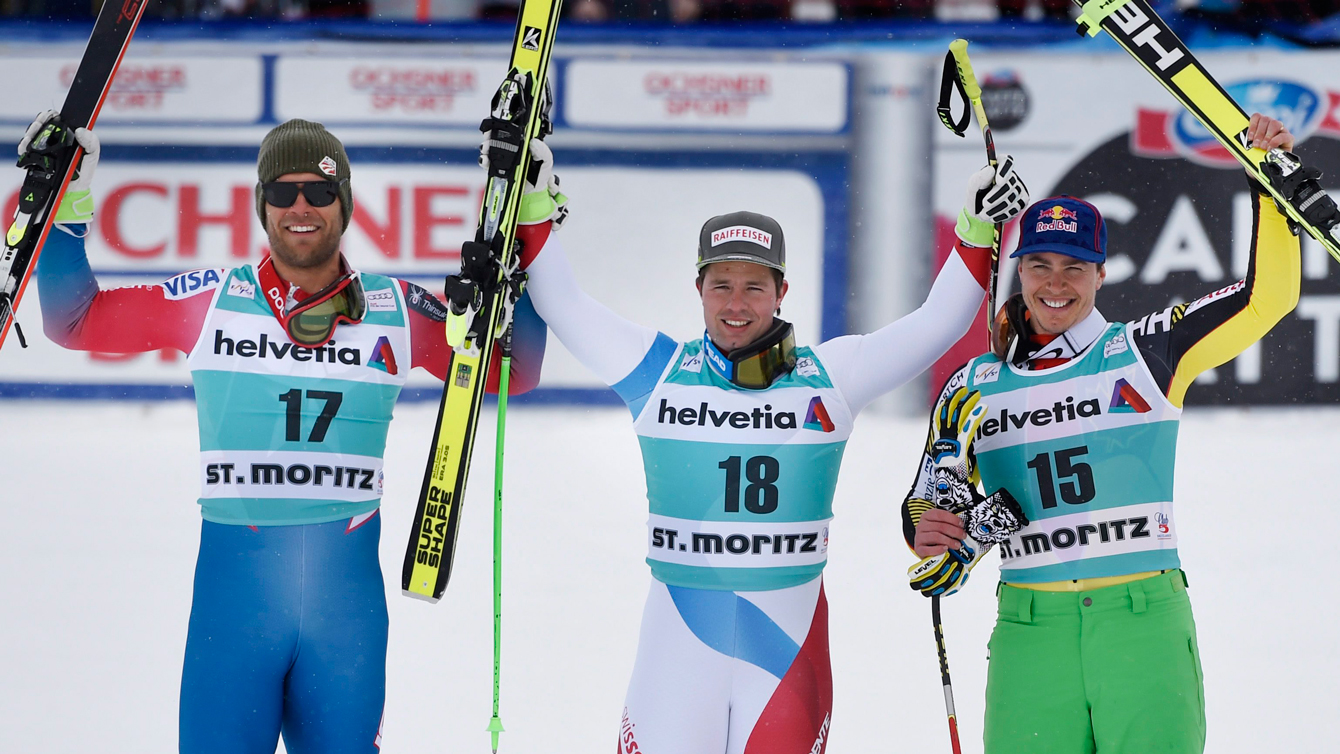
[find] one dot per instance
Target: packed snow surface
(101, 528)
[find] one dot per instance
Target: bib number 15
(1076, 477)
(760, 495)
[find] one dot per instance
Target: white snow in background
(100, 531)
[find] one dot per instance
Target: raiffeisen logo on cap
(327, 166)
(742, 233)
(1058, 215)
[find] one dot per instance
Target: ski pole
(944, 674)
(504, 378)
(959, 74)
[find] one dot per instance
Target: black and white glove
(36, 146)
(994, 196)
(988, 521)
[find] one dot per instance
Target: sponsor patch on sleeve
(984, 373)
(425, 303)
(1116, 345)
(381, 300)
(241, 289)
(191, 283)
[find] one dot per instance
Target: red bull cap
(1063, 225)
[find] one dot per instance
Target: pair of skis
(53, 157)
(480, 302)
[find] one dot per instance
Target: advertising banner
(1177, 206)
(156, 220)
(147, 89)
(437, 91)
(788, 97)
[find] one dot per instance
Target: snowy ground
(98, 549)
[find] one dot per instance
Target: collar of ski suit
(1054, 350)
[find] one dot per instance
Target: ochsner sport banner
(1177, 205)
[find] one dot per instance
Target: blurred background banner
(819, 112)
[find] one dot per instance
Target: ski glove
(988, 521)
(77, 204)
(954, 425)
(542, 199)
(995, 195)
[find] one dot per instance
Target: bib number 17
(760, 495)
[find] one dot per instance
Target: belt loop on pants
(1137, 591)
(1024, 604)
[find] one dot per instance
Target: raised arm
(428, 340)
(867, 366)
(604, 342)
(79, 316)
(1182, 341)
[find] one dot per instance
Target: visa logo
(193, 282)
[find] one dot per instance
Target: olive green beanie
(301, 146)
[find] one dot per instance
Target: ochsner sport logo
(742, 233)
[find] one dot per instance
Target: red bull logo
(1058, 216)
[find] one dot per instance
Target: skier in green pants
(1094, 648)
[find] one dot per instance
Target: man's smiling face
(1058, 290)
(303, 236)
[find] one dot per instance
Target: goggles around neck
(311, 322)
(759, 364)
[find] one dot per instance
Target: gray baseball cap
(742, 237)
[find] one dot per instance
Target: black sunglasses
(317, 193)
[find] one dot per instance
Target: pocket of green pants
(1194, 650)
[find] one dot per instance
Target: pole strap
(949, 81)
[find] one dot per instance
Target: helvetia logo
(383, 357)
(1125, 400)
(817, 418)
(759, 418)
(1061, 411)
(281, 351)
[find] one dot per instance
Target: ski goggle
(759, 364)
(311, 322)
(317, 193)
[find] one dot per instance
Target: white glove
(77, 204)
(994, 196)
(542, 199)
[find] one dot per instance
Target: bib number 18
(760, 496)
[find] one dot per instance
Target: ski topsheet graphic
(53, 156)
(480, 299)
(1137, 28)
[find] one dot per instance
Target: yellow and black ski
(481, 297)
(1139, 30)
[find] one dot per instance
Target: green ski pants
(1113, 671)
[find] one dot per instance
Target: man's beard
(327, 246)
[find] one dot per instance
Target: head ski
(480, 298)
(54, 156)
(1139, 30)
